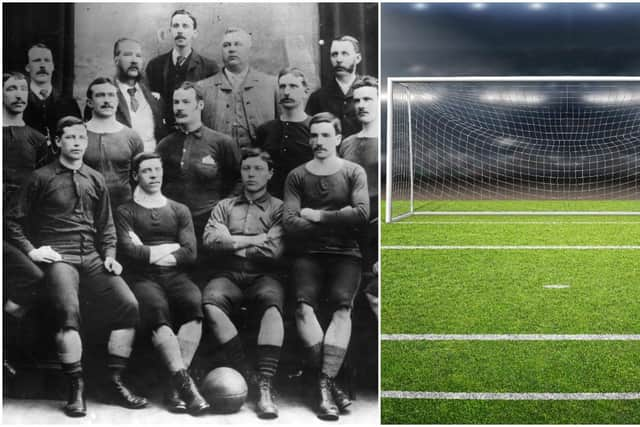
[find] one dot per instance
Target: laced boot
(76, 405)
(266, 407)
(327, 409)
(340, 397)
(174, 402)
(188, 392)
(121, 394)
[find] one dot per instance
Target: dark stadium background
(485, 39)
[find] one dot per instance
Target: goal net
(523, 145)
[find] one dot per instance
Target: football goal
(513, 146)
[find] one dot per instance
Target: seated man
(62, 221)
(246, 234)
(156, 238)
(325, 202)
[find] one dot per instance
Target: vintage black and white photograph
(190, 213)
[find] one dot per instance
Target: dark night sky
(443, 39)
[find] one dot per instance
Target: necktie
(180, 61)
(43, 94)
(134, 101)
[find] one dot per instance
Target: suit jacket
(124, 116)
(330, 98)
(44, 115)
(260, 95)
(199, 68)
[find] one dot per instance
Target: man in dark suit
(138, 107)
(336, 95)
(45, 105)
(167, 72)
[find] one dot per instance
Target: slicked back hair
(184, 12)
(38, 45)
(141, 157)
(12, 75)
(66, 122)
(116, 45)
(191, 85)
(327, 118)
(365, 81)
(294, 71)
(99, 81)
(248, 152)
(354, 41)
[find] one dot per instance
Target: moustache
(180, 115)
(106, 105)
(286, 100)
(45, 72)
(179, 38)
(133, 67)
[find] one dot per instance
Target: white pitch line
(507, 396)
(510, 337)
(521, 222)
(506, 247)
(556, 286)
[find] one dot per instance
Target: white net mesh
(514, 140)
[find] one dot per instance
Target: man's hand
(375, 268)
(312, 215)
(167, 261)
(44, 254)
(112, 266)
(135, 239)
(158, 252)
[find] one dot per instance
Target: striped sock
(268, 358)
(73, 369)
(117, 362)
(332, 360)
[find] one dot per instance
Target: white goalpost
(552, 145)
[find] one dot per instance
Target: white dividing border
(391, 80)
(472, 222)
(510, 337)
(506, 396)
(509, 248)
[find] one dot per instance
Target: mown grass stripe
(506, 247)
(507, 396)
(510, 337)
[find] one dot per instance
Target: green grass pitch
(594, 291)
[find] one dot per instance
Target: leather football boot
(266, 407)
(188, 392)
(121, 395)
(340, 397)
(327, 409)
(76, 405)
(174, 402)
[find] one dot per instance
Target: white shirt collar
(123, 87)
(346, 86)
(175, 54)
(36, 89)
(146, 201)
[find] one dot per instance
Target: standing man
(155, 237)
(112, 145)
(325, 201)
(138, 108)
(168, 71)
(24, 149)
(46, 106)
(336, 95)
(240, 98)
(286, 139)
(362, 148)
(201, 166)
(245, 234)
(62, 221)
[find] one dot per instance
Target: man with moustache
(336, 95)
(138, 108)
(362, 148)
(157, 242)
(46, 106)
(62, 221)
(325, 202)
(286, 139)
(201, 166)
(240, 98)
(245, 235)
(111, 145)
(167, 72)
(24, 149)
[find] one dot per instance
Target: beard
(350, 69)
(124, 74)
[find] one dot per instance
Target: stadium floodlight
(559, 141)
